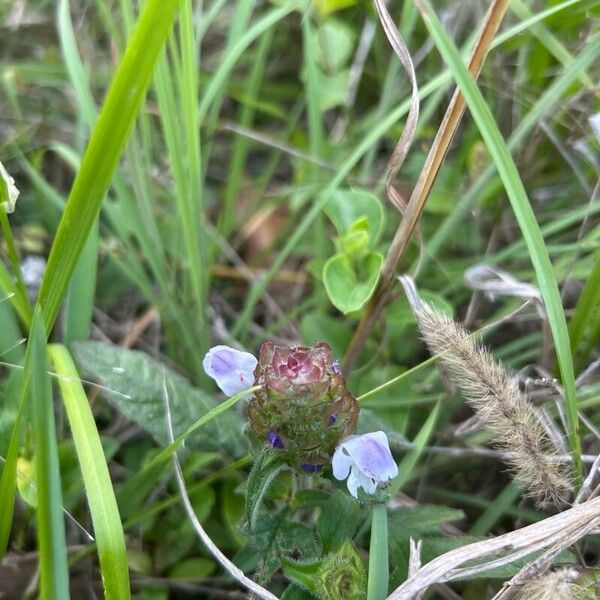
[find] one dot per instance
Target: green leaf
(275, 536)
(335, 42)
(192, 569)
(338, 521)
(420, 520)
(303, 574)
(317, 326)
(52, 546)
(265, 469)
(108, 530)
(587, 313)
(345, 207)
(408, 463)
(348, 287)
(525, 216)
(135, 384)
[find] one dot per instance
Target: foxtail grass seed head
(365, 460)
(561, 584)
(501, 406)
(303, 408)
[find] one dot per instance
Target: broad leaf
(275, 536)
(136, 385)
(338, 520)
(349, 287)
(345, 207)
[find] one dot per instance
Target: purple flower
(310, 468)
(275, 440)
(232, 369)
(366, 460)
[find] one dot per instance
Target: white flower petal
(353, 484)
(13, 192)
(341, 463)
(232, 369)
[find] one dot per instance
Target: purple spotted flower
(365, 460)
(232, 369)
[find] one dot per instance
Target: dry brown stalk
(499, 403)
(423, 186)
(561, 529)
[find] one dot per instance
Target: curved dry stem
(562, 529)
(421, 191)
(236, 573)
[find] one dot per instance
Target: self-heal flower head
(303, 408)
(366, 460)
(232, 369)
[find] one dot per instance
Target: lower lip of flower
(311, 468)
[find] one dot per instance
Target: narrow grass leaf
(52, 547)
(587, 306)
(79, 303)
(8, 482)
(408, 463)
(524, 214)
(104, 150)
(108, 530)
(378, 555)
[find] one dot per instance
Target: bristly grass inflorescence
(500, 405)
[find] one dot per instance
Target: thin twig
(236, 573)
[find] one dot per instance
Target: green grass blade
(220, 75)
(552, 44)
(407, 464)
(241, 145)
(104, 149)
(378, 555)
(20, 300)
(108, 529)
(8, 482)
(586, 307)
(141, 479)
(525, 217)
(52, 547)
(79, 302)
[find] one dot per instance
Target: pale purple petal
(371, 454)
(369, 460)
(232, 369)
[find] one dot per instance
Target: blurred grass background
(212, 231)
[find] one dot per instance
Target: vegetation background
(265, 126)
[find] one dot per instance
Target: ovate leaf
(136, 385)
(349, 286)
